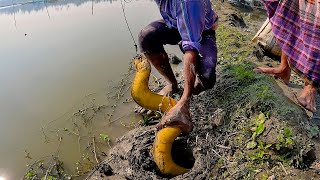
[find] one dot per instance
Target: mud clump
(237, 21)
(106, 170)
(174, 59)
(132, 157)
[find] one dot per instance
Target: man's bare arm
(189, 73)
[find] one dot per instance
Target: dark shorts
(156, 34)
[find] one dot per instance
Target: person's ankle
(310, 87)
(283, 68)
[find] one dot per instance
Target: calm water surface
(57, 58)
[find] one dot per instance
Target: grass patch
(244, 94)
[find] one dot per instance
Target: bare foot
(168, 90)
(179, 115)
(308, 98)
(282, 73)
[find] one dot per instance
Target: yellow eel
(147, 99)
(141, 93)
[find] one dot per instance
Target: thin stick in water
(94, 149)
(45, 4)
(14, 15)
(92, 7)
(125, 18)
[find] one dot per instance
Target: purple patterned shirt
(190, 17)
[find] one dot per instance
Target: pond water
(63, 67)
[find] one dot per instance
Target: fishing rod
(125, 18)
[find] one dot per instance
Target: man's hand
(179, 116)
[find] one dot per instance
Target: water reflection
(48, 66)
(27, 6)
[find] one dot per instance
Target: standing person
(296, 26)
(190, 24)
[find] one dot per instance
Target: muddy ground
(248, 126)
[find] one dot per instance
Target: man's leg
(151, 41)
(308, 95)
(283, 71)
(161, 62)
(206, 65)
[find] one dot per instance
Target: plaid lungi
(296, 26)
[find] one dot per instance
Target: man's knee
(207, 72)
(208, 81)
(204, 83)
(146, 38)
(146, 33)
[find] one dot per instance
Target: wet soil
(216, 150)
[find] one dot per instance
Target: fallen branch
(285, 171)
(223, 147)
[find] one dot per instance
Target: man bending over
(190, 24)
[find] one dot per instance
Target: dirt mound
(131, 158)
(247, 127)
(217, 148)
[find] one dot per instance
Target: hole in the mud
(299, 162)
(309, 158)
(182, 154)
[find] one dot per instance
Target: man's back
(171, 10)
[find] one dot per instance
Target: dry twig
(94, 149)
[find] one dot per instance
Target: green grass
(245, 93)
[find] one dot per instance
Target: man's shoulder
(204, 1)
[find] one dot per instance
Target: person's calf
(161, 62)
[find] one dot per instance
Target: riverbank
(247, 127)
